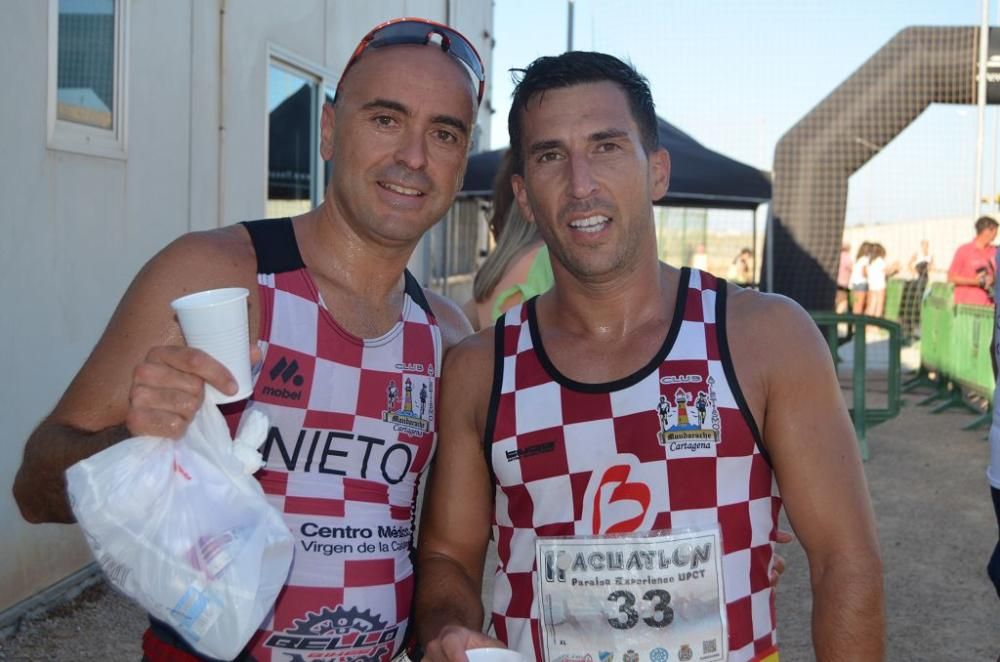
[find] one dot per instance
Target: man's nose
(412, 150)
(582, 182)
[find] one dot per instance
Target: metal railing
(862, 415)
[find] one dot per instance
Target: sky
(736, 75)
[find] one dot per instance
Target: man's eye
(384, 120)
(546, 157)
(608, 147)
(446, 136)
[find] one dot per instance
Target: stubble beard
(622, 259)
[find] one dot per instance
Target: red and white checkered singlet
(551, 441)
(353, 427)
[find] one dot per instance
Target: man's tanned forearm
(848, 620)
(446, 595)
(40, 484)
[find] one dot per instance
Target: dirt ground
(936, 529)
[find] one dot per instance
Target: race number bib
(655, 596)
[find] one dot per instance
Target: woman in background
(875, 302)
(518, 268)
(859, 279)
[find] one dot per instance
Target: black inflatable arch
(815, 158)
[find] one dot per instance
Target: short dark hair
(575, 68)
(985, 223)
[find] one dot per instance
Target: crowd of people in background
(869, 274)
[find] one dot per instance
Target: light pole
(569, 25)
(984, 38)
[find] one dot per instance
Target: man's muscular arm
(808, 434)
(139, 379)
(455, 525)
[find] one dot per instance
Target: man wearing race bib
(629, 437)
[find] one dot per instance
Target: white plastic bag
(183, 528)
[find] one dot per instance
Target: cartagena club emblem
(409, 404)
(690, 419)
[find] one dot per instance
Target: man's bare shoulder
(466, 385)
(144, 319)
(764, 316)
(774, 335)
(476, 349)
(470, 364)
(453, 323)
(206, 259)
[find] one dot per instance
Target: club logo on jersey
(690, 420)
(410, 404)
(359, 634)
(681, 379)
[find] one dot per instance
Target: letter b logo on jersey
(618, 505)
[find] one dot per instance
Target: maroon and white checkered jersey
(673, 445)
(352, 429)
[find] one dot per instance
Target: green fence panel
(945, 333)
(972, 334)
(935, 323)
(956, 357)
(893, 299)
(929, 345)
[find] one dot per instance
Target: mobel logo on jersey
(285, 380)
(617, 502)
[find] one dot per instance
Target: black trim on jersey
(727, 367)
(416, 292)
(624, 382)
(277, 252)
(491, 411)
(275, 245)
(410, 644)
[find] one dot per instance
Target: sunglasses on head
(421, 31)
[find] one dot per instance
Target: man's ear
(521, 196)
(659, 172)
(326, 131)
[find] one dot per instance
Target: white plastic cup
(215, 321)
(493, 655)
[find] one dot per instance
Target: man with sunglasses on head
(626, 529)
(339, 323)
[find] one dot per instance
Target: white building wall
(76, 228)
